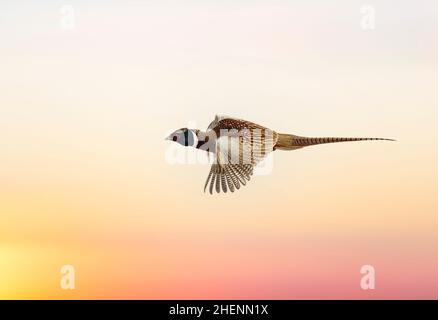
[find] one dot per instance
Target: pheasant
(239, 145)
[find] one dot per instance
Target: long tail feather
(291, 142)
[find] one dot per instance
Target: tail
(292, 142)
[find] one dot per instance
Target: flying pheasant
(239, 145)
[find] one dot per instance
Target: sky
(90, 89)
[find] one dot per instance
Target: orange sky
(85, 181)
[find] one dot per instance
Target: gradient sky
(84, 179)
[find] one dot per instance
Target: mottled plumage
(239, 145)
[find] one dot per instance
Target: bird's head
(185, 137)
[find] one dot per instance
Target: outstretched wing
(228, 177)
(240, 146)
(255, 141)
(225, 173)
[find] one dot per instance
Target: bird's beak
(170, 137)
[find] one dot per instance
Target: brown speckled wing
(255, 141)
(227, 177)
(240, 146)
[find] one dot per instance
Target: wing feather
(208, 178)
(218, 180)
(223, 181)
(237, 152)
(229, 180)
(212, 181)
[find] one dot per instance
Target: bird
(239, 145)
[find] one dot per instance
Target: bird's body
(239, 145)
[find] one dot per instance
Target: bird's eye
(175, 138)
